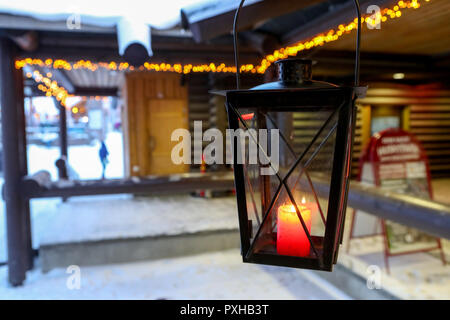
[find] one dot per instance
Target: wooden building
(406, 75)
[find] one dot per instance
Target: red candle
(291, 237)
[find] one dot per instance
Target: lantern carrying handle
(236, 53)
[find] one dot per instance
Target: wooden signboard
(395, 160)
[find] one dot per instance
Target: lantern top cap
(294, 60)
(294, 70)
(294, 73)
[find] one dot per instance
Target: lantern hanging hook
(358, 42)
(235, 44)
(236, 53)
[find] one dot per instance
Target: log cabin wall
(198, 90)
(425, 113)
(362, 135)
(304, 130)
(217, 110)
(143, 87)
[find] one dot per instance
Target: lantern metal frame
(341, 101)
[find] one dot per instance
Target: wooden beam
(97, 47)
(213, 22)
(90, 91)
(13, 159)
(157, 185)
(263, 43)
(330, 20)
(85, 41)
(169, 56)
(23, 166)
(442, 60)
(376, 66)
(63, 142)
(58, 75)
(27, 41)
(173, 48)
(63, 80)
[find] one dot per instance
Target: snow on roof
(158, 14)
(132, 19)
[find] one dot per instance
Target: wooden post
(13, 160)
(62, 129)
(62, 162)
(22, 146)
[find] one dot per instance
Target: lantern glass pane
(311, 178)
(287, 217)
(251, 170)
(253, 198)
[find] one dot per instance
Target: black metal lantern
(291, 212)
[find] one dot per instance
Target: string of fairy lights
(51, 88)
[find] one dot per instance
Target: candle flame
(289, 208)
(303, 200)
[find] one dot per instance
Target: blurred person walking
(103, 154)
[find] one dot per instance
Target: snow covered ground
(85, 161)
(220, 275)
(412, 276)
(122, 216)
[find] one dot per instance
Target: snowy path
(220, 275)
(122, 216)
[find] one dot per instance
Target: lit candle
(291, 237)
